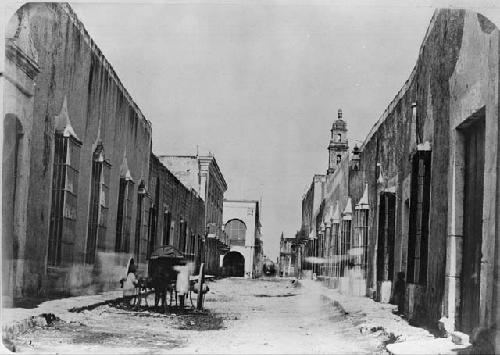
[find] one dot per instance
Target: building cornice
(210, 160)
(390, 108)
(68, 10)
(21, 59)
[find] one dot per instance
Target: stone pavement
(379, 317)
(18, 320)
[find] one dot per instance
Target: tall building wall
(420, 139)
(78, 97)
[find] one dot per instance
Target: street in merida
(245, 177)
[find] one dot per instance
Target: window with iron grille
(345, 245)
(64, 189)
(182, 235)
(360, 241)
(138, 221)
(124, 215)
(167, 220)
(236, 231)
(98, 208)
(419, 217)
(152, 230)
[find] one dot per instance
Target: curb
(12, 330)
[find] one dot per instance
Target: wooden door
(473, 220)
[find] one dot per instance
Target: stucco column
(19, 69)
(454, 240)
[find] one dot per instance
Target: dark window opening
(419, 217)
(64, 187)
(360, 241)
(345, 245)
(152, 230)
(123, 218)
(386, 231)
(182, 235)
(167, 220)
(138, 220)
(95, 204)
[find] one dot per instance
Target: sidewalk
(379, 317)
(18, 320)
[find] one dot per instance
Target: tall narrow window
(98, 208)
(96, 181)
(360, 241)
(64, 189)
(167, 220)
(152, 230)
(419, 217)
(123, 217)
(386, 230)
(345, 245)
(182, 235)
(141, 192)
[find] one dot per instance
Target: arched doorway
(234, 264)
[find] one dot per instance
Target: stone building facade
(243, 228)
(176, 215)
(422, 191)
(202, 174)
(288, 258)
(77, 160)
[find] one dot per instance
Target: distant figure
(130, 282)
(399, 292)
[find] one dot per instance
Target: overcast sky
(258, 83)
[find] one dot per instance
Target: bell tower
(338, 147)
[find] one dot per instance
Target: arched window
(339, 137)
(339, 158)
(236, 231)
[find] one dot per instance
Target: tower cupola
(338, 147)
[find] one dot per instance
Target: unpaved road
(243, 316)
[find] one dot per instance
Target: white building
(242, 225)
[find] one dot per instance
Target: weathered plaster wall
(177, 199)
(246, 211)
(72, 69)
(20, 70)
(455, 77)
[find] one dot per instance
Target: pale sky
(258, 83)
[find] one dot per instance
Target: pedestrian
(182, 284)
(399, 292)
(129, 285)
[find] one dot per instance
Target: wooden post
(201, 281)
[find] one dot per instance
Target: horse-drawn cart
(163, 267)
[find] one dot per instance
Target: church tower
(338, 147)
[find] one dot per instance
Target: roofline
(242, 200)
(175, 156)
(66, 8)
(390, 108)
(210, 158)
(217, 169)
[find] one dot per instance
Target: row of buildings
(417, 203)
(82, 190)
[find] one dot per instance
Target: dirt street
(242, 316)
